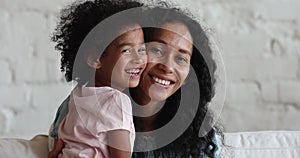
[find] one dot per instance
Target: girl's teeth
(133, 71)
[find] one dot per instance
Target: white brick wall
(31, 84)
(259, 41)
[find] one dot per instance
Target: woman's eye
(156, 51)
(182, 59)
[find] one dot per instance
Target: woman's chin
(158, 95)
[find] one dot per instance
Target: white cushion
(263, 144)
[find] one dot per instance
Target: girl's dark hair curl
(76, 21)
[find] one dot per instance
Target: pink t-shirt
(93, 111)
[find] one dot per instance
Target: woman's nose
(166, 65)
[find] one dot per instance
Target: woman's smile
(165, 82)
(169, 54)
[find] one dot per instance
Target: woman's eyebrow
(184, 51)
(128, 44)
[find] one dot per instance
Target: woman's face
(169, 56)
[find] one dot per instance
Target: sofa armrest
(37, 147)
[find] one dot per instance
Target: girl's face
(168, 64)
(124, 60)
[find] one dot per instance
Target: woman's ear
(93, 61)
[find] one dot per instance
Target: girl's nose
(138, 59)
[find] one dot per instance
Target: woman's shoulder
(217, 139)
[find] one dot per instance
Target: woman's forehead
(178, 28)
(175, 35)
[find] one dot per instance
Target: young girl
(99, 122)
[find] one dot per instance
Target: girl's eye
(142, 50)
(127, 51)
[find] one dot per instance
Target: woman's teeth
(161, 81)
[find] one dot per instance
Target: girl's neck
(93, 83)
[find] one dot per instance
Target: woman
(172, 38)
(175, 42)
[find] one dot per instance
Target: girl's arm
(119, 144)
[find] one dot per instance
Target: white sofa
(263, 144)
(37, 147)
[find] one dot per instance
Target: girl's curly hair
(76, 21)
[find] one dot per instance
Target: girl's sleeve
(113, 111)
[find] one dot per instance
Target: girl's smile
(124, 60)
